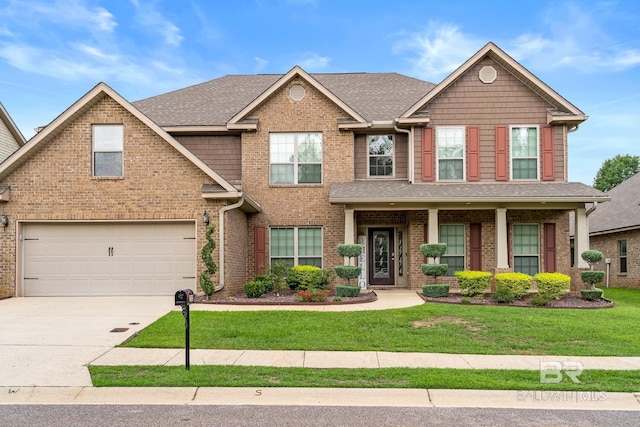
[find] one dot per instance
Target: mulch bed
(567, 301)
(285, 298)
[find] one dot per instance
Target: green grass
(260, 376)
(438, 328)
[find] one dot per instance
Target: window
(453, 236)
(296, 245)
(526, 251)
(107, 150)
(295, 158)
(380, 155)
(524, 152)
(450, 152)
(622, 254)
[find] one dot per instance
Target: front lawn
(434, 328)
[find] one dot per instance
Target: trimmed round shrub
(348, 271)
(435, 291)
(254, 289)
(304, 277)
(592, 277)
(592, 256)
(591, 294)
(347, 291)
(350, 250)
(552, 285)
(503, 295)
(433, 250)
(518, 283)
(434, 270)
(473, 283)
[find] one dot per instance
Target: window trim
(464, 154)
(464, 245)
(94, 126)
(393, 156)
(511, 158)
(296, 255)
(537, 255)
(621, 257)
(296, 163)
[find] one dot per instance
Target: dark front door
(381, 256)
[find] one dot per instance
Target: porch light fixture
(4, 220)
(205, 218)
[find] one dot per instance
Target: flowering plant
(313, 295)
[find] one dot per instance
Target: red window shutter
(427, 154)
(259, 249)
(547, 154)
(502, 153)
(473, 154)
(550, 247)
(475, 243)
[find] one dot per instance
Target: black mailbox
(184, 297)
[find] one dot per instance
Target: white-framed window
(450, 153)
(107, 147)
(295, 158)
(453, 236)
(524, 143)
(296, 245)
(381, 151)
(526, 248)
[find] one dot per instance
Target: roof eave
(466, 200)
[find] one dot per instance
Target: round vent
(488, 74)
(297, 92)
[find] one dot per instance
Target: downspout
(223, 210)
(410, 138)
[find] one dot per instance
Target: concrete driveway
(48, 342)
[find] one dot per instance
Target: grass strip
(261, 376)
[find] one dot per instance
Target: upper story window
(524, 152)
(380, 155)
(450, 153)
(108, 142)
(295, 158)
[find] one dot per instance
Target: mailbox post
(184, 298)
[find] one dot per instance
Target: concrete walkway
(80, 394)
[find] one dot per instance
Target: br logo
(551, 371)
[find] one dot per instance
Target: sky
(54, 51)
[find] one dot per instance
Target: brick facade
(608, 245)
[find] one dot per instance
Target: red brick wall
(608, 245)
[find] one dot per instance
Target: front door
(381, 256)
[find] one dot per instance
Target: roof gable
(565, 111)
(79, 108)
(11, 126)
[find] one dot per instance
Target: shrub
(254, 289)
(350, 250)
(473, 283)
(592, 256)
(434, 270)
(591, 294)
(552, 285)
(347, 291)
(539, 300)
(278, 271)
(435, 291)
(503, 295)
(267, 279)
(348, 271)
(313, 295)
(518, 283)
(205, 280)
(433, 250)
(592, 277)
(304, 277)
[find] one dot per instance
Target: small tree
(349, 271)
(206, 283)
(592, 277)
(616, 170)
(434, 250)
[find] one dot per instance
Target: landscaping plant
(552, 285)
(592, 277)
(434, 250)
(516, 283)
(206, 283)
(348, 272)
(473, 283)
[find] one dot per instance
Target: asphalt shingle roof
(375, 96)
(623, 211)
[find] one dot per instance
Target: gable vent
(297, 92)
(488, 74)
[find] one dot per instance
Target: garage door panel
(108, 258)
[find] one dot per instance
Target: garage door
(108, 258)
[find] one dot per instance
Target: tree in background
(616, 170)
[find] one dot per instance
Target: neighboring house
(614, 229)
(10, 136)
(109, 198)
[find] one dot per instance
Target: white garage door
(84, 259)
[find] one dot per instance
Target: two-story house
(110, 198)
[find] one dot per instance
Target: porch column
(432, 231)
(349, 229)
(581, 243)
(502, 244)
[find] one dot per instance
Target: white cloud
(66, 12)
(151, 18)
(260, 64)
(312, 62)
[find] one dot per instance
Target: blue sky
(54, 51)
